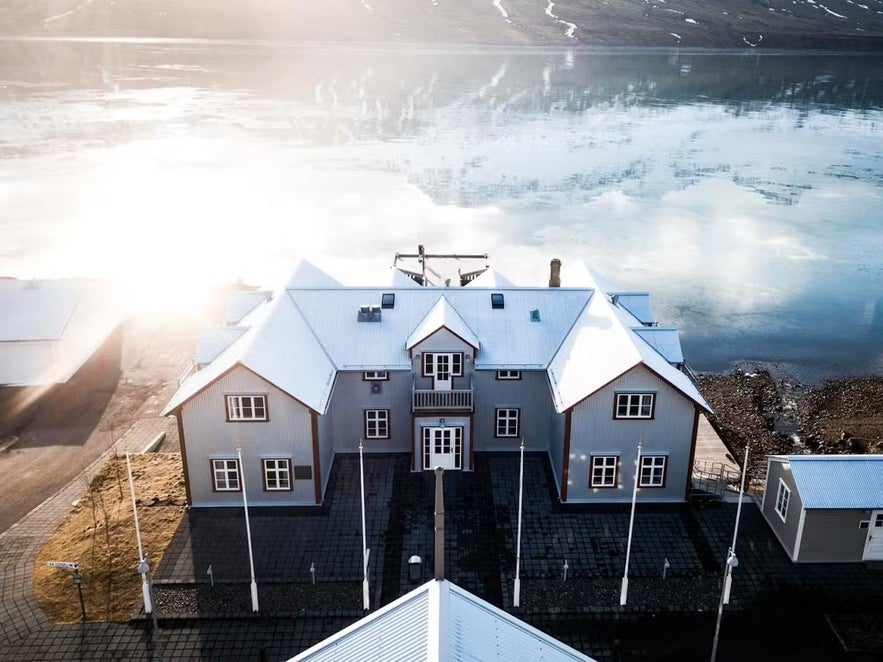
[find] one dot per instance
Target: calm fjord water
(743, 190)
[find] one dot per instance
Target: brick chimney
(555, 273)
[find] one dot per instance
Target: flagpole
(254, 584)
(731, 562)
(516, 601)
(624, 590)
(366, 601)
(145, 587)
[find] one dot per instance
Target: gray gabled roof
(441, 622)
(309, 330)
(837, 481)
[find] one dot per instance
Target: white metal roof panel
(241, 303)
(37, 309)
(839, 481)
(214, 340)
(636, 303)
(480, 631)
(282, 349)
(398, 632)
(442, 316)
(490, 278)
(62, 323)
(509, 340)
(440, 622)
(664, 340)
(306, 274)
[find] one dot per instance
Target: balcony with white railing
(430, 400)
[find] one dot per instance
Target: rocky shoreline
(778, 416)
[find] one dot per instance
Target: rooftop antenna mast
(422, 256)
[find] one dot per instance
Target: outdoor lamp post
(624, 588)
(366, 599)
(516, 599)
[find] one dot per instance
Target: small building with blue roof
(826, 508)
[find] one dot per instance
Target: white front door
(442, 447)
(874, 543)
(442, 372)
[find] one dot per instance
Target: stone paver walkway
(769, 592)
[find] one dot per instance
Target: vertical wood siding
(208, 435)
(785, 531)
(530, 394)
(831, 536)
(595, 431)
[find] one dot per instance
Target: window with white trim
(225, 475)
(783, 498)
(277, 474)
(507, 422)
(603, 471)
(652, 471)
(455, 363)
(377, 424)
(247, 408)
(634, 405)
(508, 374)
(375, 376)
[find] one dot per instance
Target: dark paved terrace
(821, 606)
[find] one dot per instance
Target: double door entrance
(443, 447)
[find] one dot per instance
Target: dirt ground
(779, 24)
(99, 534)
(776, 416)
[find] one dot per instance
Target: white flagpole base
(145, 593)
(254, 597)
(624, 592)
(516, 598)
(366, 600)
(728, 583)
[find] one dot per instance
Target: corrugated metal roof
(37, 309)
(442, 316)
(490, 278)
(399, 631)
(664, 340)
(306, 274)
(302, 336)
(441, 622)
(839, 481)
(214, 340)
(49, 328)
(636, 303)
(242, 303)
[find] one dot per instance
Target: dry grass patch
(99, 534)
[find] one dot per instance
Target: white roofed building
(315, 368)
(49, 330)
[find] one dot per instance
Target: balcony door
(442, 367)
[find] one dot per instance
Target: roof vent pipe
(439, 525)
(555, 273)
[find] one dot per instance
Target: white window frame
(504, 418)
(605, 468)
(237, 404)
(375, 376)
(282, 472)
(455, 365)
(656, 465)
(223, 470)
(503, 375)
(783, 500)
(377, 424)
(626, 402)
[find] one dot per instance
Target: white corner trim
(799, 537)
(438, 638)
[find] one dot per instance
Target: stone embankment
(778, 416)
